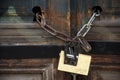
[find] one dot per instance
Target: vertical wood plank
(58, 15)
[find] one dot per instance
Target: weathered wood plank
(30, 40)
(58, 14)
(103, 37)
(19, 25)
(26, 34)
(23, 32)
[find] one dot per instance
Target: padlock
(82, 66)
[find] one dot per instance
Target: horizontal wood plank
(26, 34)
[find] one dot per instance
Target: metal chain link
(51, 30)
(79, 38)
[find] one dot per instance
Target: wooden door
(29, 53)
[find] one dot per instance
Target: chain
(79, 38)
(51, 30)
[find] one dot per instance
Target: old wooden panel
(29, 69)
